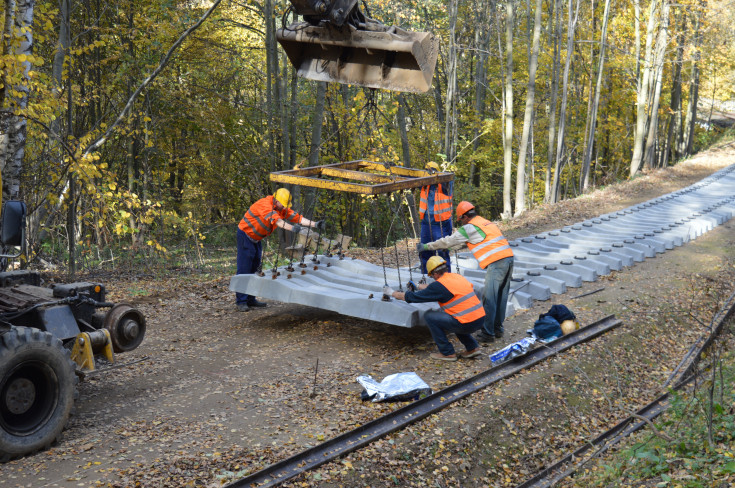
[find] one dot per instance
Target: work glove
(387, 290)
(321, 225)
(296, 229)
(411, 286)
(421, 247)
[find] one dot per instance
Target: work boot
(257, 304)
(484, 338)
(243, 307)
(441, 357)
(470, 354)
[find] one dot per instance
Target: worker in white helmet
(259, 222)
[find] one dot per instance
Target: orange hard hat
(463, 208)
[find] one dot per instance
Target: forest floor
(214, 394)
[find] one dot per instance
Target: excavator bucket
(391, 59)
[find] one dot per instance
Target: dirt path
(216, 393)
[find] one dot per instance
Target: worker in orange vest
(494, 254)
(259, 222)
(461, 311)
(435, 212)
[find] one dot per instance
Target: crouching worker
(461, 311)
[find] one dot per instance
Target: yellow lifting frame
(373, 178)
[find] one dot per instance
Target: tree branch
(99, 142)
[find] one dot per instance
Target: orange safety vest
(260, 220)
(493, 247)
(442, 204)
(464, 306)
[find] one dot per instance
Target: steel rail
(554, 473)
(347, 442)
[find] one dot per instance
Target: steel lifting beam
(363, 177)
(282, 471)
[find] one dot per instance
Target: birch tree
(17, 40)
(528, 114)
(450, 104)
(643, 87)
(691, 116)
(560, 147)
(508, 111)
(556, 24)
(661, 45)
(584, 178)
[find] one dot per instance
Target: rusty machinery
(337, 42)
(49, 336)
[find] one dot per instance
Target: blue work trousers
(440, 323)
(495, 295)
(431, 230)
(249, 254)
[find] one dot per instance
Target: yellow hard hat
(568, 326)
(283, 196)
(434, 262)
(432, 165)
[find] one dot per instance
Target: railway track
(545, 264)
(306, 460)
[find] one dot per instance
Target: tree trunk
(294, 112)
(596, 102)
(673, 136)
(508, 112)
(482, 40)
(550, 156)
(642, 96)
(13, 132)
(271, 88)
(661, 44)
(560, 148)
(450, 107)
(528, 115)
(317, 122)
(406, 151)
(691, 117)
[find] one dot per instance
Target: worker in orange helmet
(493, 253)
(259, 222)
(461, 311)
(435, 212)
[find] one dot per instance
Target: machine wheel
(127, 327)
(37, 390)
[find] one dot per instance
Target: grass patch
(695, 446)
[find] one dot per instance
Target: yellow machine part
(363, 177)
(393, 59)
(82, 353)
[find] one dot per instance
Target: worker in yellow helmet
(435, 212)
(259, 222)
(461, 311)
(493, 253)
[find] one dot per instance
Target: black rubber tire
(37, 390)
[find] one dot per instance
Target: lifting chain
(405, 237)
(395, 212)
(377, 226)
(308, 230)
